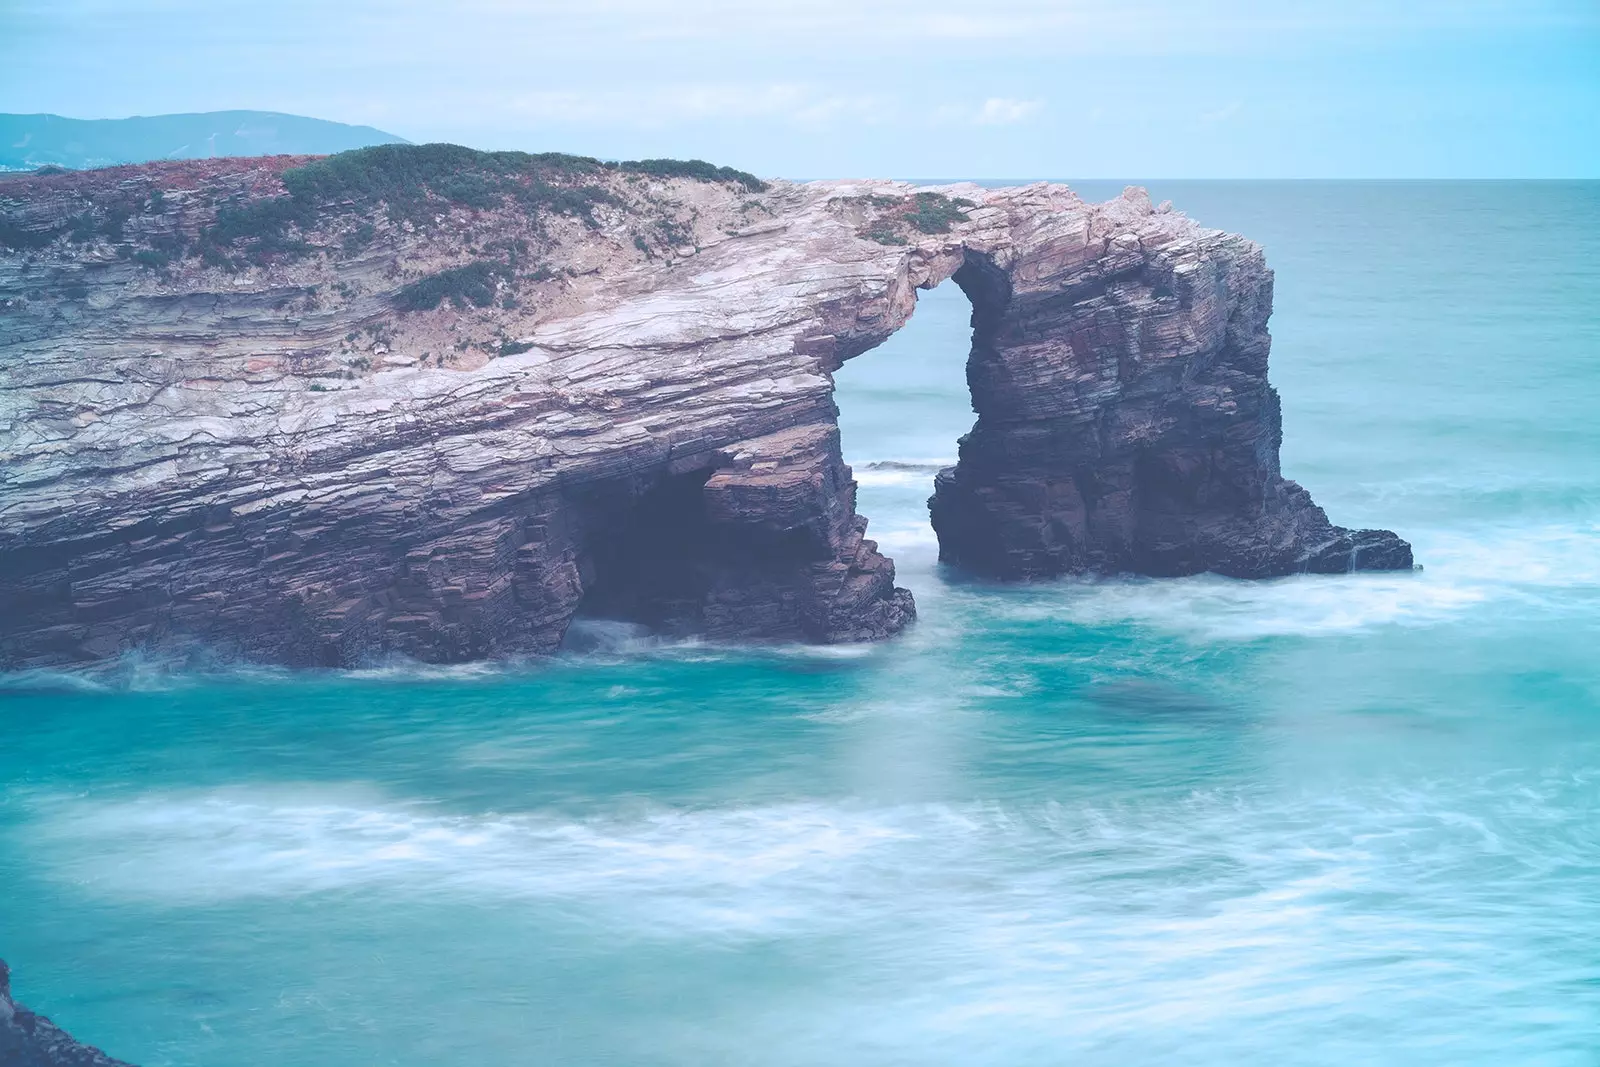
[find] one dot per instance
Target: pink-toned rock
(205, 451)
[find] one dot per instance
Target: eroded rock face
(29, 1040)
(270, 445)
(1125, 422)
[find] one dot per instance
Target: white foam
(876, 479)
(918, 473)
(1557, 556)
(1141, 895)
(699, 866)
(1219, 608)
(1537, 570)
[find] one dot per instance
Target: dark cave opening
(653, 554)
(642, 551)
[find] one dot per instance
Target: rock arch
(660, 436)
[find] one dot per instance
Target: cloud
(1003, 111)
(1221, 114)
(995, 111)
(671, 104)
(1070, 26)
(796, 104)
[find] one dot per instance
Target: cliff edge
(425, 400)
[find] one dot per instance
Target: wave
(1248, 861)
(1553, 556)
(1543, 571)
(140, 672)
(591, 642)
(242, 843)
(1213, 608)
(1539, 571)
(894, 472)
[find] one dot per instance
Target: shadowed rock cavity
(270, 455)
(764, 542)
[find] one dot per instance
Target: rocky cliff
(436, 402)
(29, 1040)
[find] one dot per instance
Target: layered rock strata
(30, 1040)
(320, 419)
(1125, 422)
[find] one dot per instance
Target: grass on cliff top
(697, 169)
(925, 212)
(935, 212)
(414, 183)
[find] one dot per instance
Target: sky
(841, 88)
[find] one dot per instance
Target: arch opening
(904, 407)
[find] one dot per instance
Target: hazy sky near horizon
(814, 88)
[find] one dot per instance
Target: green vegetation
(111, 222)
(697, 169)
(14, 236)
(415, 182)
(935, 212)
(925, 212)
(512, 348)
(83, 228)
(412, 183)
(117, 216)
(472, 284)
(265, 223)
(360, 237)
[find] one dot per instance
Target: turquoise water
(1314, 821)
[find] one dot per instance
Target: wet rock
(30, 1040)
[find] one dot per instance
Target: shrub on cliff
(935, 212)
(20, 237)
(472, 284)
(697, 169)
(415, 181)
(265, 221)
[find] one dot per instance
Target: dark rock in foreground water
(29, 1040)
(425, 401)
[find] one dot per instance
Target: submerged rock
(427, 401)
(29, 1040)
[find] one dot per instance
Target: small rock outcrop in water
(29, 1040)
(437, 402)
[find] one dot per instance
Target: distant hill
(29, 141)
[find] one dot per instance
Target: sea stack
(435, 402)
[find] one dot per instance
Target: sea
(1324, 820)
